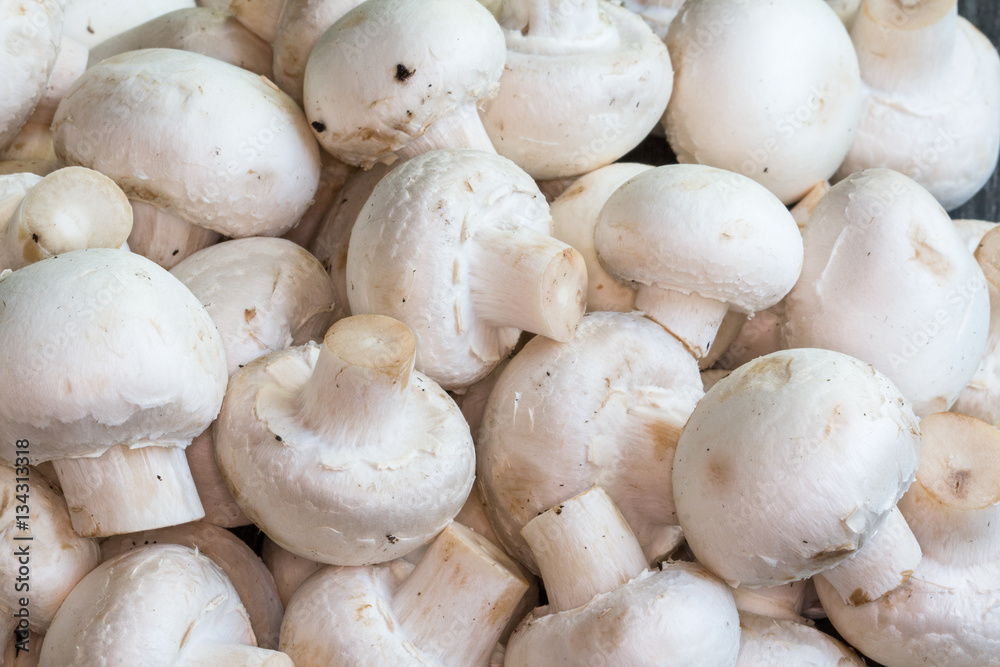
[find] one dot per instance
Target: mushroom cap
(147, 607)
(699, 229)
(263, 294)
(30, 31)
(681, 615)
(288, 570)
(141, 119)
(352, 499)
(388, 69)
(604, 408)
(887, 279)
(409, 255)
(121, 353)
(769, 89)
(93, 21)
(564, 113)
(58, 557)
(790, 464)
(780, 643)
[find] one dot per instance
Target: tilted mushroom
(396, 78)
(449, 610)
(932, 97)
(111, 380)
(604, 603)
(455, 243)
(769, 89)
(603, 74)
(158, 606)
(211, 32)
(695, 242)
(70, 209)
(179, 157)
(42, 558)
(342, 453)
(93, 21)
(574, 217)
(804, 414)
(605, 408)
(947, 613)
(886, 279)
(251, 579)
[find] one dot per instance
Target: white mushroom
(696, 242)
(603, 74)
(455, 243)
(948, 614)
(604, 603)
(449, 611)
(769, 89)
(159, 606)
(605, 408)
(111, 380)
(932, 97)
(251, 579)
(93, 21)
(780, 643)
(396, 78)
(887, 279)
(341, 452)
(774, 422)
(289, 570)
(165, 238)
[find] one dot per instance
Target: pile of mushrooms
(350, 332)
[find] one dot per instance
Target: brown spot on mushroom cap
(718, 472)
(859, 597)
(249, 314)
(927, 255)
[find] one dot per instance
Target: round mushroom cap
(790, 464)
(680, 616)
(605, 408)
(697, 229)
(102, 347)
(781, 643)
(149, 120)
(30, 31)
(776, 95)
(149, 607)
(388, 69)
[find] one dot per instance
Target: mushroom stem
(782, 602)
(460, 129)
(70, 209)
(165, 238)
(457, 601)
(583, 548)
(883, 564)
(691, 318)
(127, 490)
(905, 44)
(361, 375)
(214, 655)
(564, 20)
(521, 278)
(71, 62)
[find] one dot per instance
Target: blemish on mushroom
(403, 73)
(318, 126)
(859, 597)
(34, 237)
(249, 314)
(392, 539)
(958, 480)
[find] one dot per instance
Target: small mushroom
(696, 242)
(449, 610)
(251, 579)
(804, 414)
(605, 603)
(158, 606)
(455, 243)
(947, 613)
(396, 78)
(110, 380)
(340, 452)
(604, 75)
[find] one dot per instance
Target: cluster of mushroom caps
(370, 277)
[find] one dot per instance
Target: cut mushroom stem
(564, 20)
(885, 562)
(583, 548)
(526, 263)
(164, 237)
(462, 128)
(70, 209)
(213, 655)
(693, 319)
(464, 581)
(905, 44)
(128, 490)
(361, 375)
